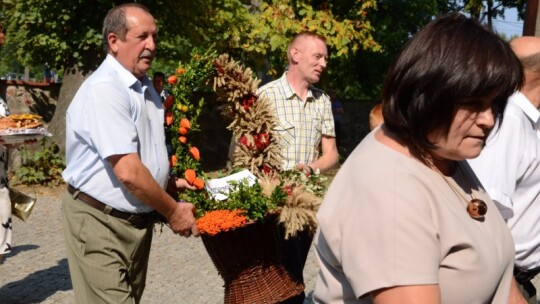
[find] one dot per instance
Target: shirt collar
(289, 91)
(527, 107)
(126, 77)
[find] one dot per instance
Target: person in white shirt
(509, 166)
(117, 168)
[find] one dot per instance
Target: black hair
(452, 60)
(158, 74)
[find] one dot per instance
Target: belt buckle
(133, 219)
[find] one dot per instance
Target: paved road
(36, 271)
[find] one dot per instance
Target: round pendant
(477, 208)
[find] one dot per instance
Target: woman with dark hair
(405, 219)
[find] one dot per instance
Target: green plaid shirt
(301, 124)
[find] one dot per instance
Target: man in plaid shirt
(305, 124)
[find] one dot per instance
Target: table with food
(22, 128)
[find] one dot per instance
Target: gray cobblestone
(36, 271)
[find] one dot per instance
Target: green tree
(488, 10)
(66, 34)
(363, 35)
(395, 21)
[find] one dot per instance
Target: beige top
(388, 220)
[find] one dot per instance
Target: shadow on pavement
(54, 279)
(18, 249)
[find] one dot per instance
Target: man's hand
(182, 221)
(308, 171)
(182, 184)
(176, 184)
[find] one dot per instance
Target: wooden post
(531, 18)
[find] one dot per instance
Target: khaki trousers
(107, 257)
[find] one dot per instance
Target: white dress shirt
(114, 113)
(509, 169)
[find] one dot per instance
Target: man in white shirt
(117, 167)
(509, 167)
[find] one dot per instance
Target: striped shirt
(301, 124)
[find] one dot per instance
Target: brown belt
(136, 219)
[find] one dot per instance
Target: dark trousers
(295, 251)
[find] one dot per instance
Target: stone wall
(30, 97)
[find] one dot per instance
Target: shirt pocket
(285, 131)
(316, 130)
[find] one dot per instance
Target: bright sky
(510, 25)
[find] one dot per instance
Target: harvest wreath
(240, 226)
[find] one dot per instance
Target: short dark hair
(158, 74)
(115, 22)
(452, 60)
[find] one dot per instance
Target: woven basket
(249, 261)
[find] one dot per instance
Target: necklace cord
(476, 207)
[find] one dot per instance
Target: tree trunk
(73, 78)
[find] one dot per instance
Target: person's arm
(515, 296)
(414, 294)
(129, 170)
(329, 157)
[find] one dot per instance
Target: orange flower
(182, 139)
(173, 160)
(195, 153)
(190, 176)
(198, 183)
(214, 222)
(185, 123)
(169, 100)
(169, 118)
(182, 130)
(172, 79)
(180, 71)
